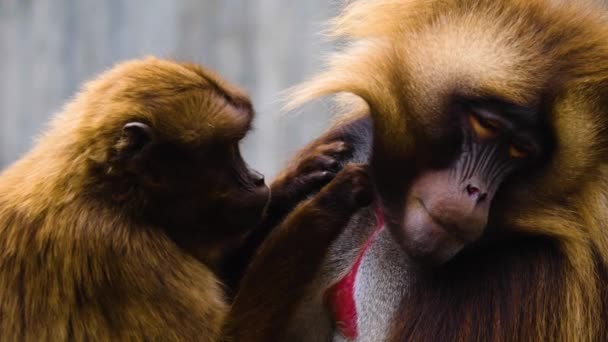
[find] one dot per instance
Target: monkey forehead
(471, 60)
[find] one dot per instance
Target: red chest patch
(341, 296)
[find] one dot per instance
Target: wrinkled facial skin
(448, 200)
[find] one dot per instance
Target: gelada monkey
(114, 225)
(120, 220)
(489, 142)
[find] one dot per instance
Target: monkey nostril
(474, 192)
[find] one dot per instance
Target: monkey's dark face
(206, 189)
(447, 202)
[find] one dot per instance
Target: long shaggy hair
(406, 59)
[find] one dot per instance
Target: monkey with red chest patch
(489, 149)
(116, 224)
(295, 246)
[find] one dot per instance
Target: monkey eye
(521, 150)
(484, 128)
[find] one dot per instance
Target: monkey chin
(427, 242)
(251, 207)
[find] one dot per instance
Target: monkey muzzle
(448, 209)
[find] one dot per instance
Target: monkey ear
(134, 138)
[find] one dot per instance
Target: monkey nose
(475, 193)
(257, 178)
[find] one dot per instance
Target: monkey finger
(308, 184)
(320, 163)
(316, 180)
(352, 188)
(335, 149)
(362, 190)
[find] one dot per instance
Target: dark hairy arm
(286, 262)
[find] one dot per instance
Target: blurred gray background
(49, 48)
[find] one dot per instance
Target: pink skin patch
(341, 296)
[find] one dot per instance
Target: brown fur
(288, 251)
(279, 272)
(546, 278)
(80, 258)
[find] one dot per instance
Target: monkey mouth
(251, 206)
(428, 239)
(453, 229)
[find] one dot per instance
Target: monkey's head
(489, 116)
(161, 139)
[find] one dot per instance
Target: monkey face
(447, 201)
(175, 161)
(206, 189)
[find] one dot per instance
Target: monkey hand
(351, 189)
(301, 241)
(310, 171)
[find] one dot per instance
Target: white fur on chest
(379, 287)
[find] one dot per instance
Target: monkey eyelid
(517, 153)
(490, 123)
(489, 118)
(523, 149)
(482, 128)
(486, 125)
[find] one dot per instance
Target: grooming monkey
(489, 159)
(115, 225)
